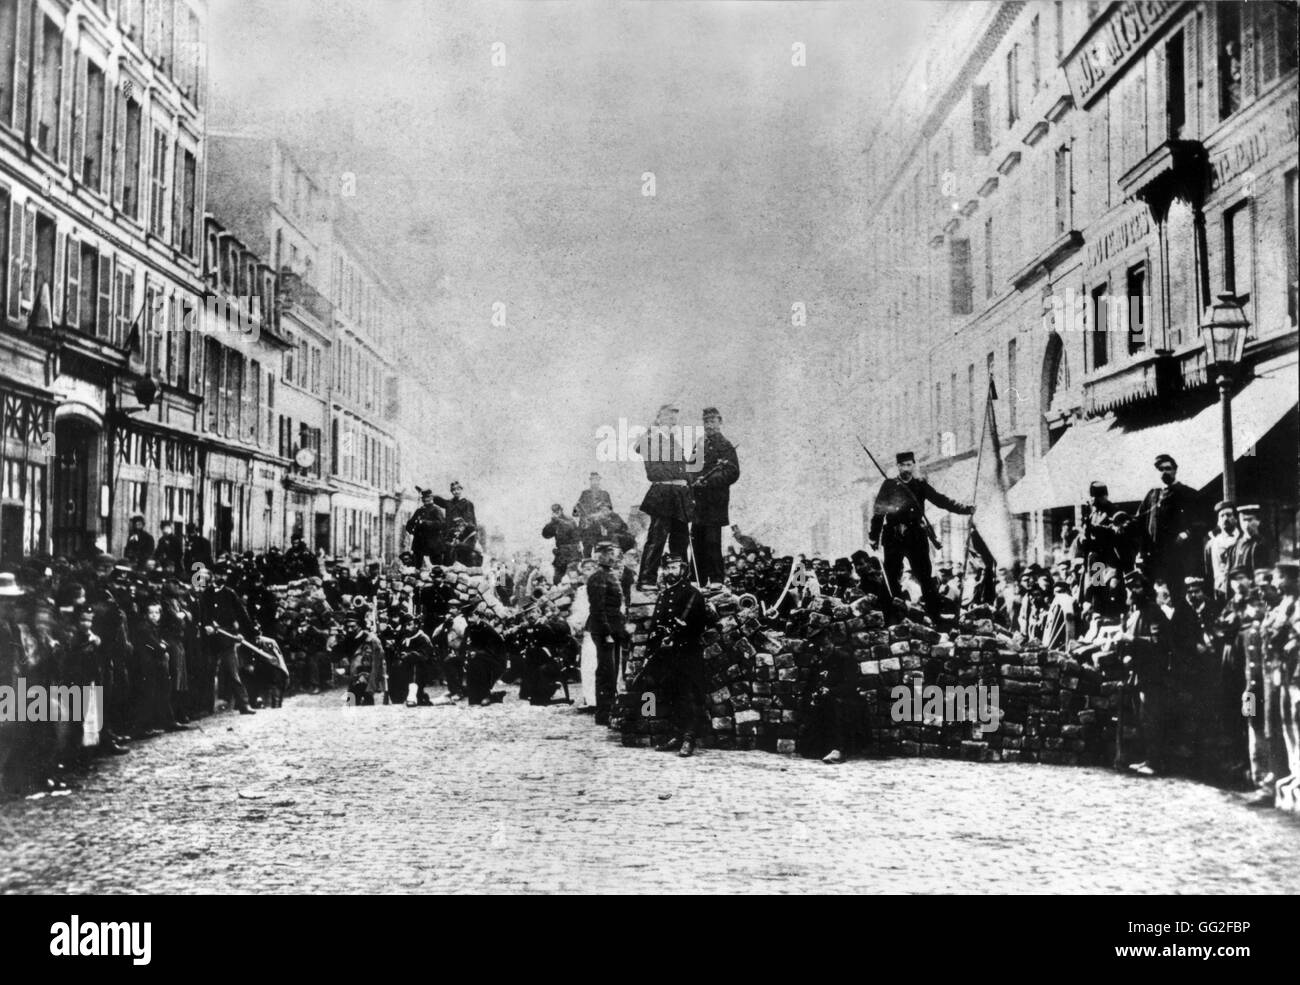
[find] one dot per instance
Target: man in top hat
(716, 470)
(668, 502)
(1148, 652)
(139, 543)
(169, 547)
(1221, 546)
(1251, 552)
(898, 521)
(605, 623)
(1170, 529)
(593, 509)
(675, 655)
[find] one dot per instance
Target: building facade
(101, 201)
(1076, 184)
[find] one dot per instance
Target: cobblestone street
(316, 797)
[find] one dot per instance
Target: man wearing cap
(592, 512)
(169, 547)
(568, 540)
(198, 549)
(605, 623)
(139, 543)
(462, 525)
(668, 502)
(426, 527)
(1251, 552)
(1169, 529)
(675, 655)
(221, 614)
(1221, 546)
(1101, 539)
(1147, 650)
(711, 473)
(898, 521)
(299, 561)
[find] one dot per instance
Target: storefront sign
(1133, 228)
(1249, 150)
(1111, 44)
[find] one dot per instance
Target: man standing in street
(676, 655)
(198, 549)
(668, 502)
(1170, 529)
(716, 468)
(169, 547)
(1148, 651)
(605, 623)
(139, 543)
(221, 613)
(1221, 547)
(898, 521)
(592, 513)
(1251, 552)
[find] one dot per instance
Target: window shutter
(982, 136)
(15, 260)
(29, 253)
(22, 65)
(178, 184)
(104, 316)
(77, 154)
(119, 146)
(56, 289)
(72, 293)
(66, 98)
(194, 339)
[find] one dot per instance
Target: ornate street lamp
(1225, 338)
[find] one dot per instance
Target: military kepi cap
(1098, 489)
(1165, 459)
(1225, 504)
(905, 456)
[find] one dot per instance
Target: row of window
(62, 99)
(358, 377)
(357, 297)
(361, 454)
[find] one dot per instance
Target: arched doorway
(1056, 395)
(74, 504)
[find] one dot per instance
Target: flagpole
(970, 525)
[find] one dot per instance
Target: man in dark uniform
(565, 533)
(486, 656)
(592, 512)
(1147, 647)
(898, 520)
(1101, 539)
(717, 467)
(139, 543)
(605, 623)
(169, 547)
(668, 502)
(300, 562)
(675, 655)
(1170, 529)
(221, 609)
(426, 527)
(1251, 552)
(462, 526)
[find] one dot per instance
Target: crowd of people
(1203, 620)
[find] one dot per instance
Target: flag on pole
(992, 512)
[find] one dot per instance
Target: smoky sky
(520, 185)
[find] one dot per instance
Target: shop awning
(1122, 456)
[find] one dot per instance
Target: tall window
(1137, 308)
(8, 57)
(1034, 51)
(130, 178)
(1060, 29)
(158, 184)
(1238, 254)
(1175, 87)
(1100, 327)
(988, 257)
(125, 306)
(960, 284)
(92, 160)
(1229, 57)
(49, 82)
(189, 180)
(1063, 190)
(981, 136)
(970, 405)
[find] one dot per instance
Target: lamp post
(1225, 337)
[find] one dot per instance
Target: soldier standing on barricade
(675, 655)
(898, 522)
(461, 527)
(427, 528)
(668, 501)
(565, 533)
(592, 512)
(716, 469)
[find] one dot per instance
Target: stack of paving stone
(763, 681)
